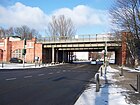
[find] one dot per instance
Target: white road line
(28, 76)
(51, 73)
(9, 79)
(64, 70)
(40, 74)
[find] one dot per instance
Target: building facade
(12, 47)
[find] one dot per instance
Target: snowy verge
(20, 66)
(109, 94)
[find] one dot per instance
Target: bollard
(39, 64)
(2, 65)
(97, 82)
(101, 71)
(35, 64)
(138, 82)
(121, 70)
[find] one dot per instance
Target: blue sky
(89, 16)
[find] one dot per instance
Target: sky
(88, 16)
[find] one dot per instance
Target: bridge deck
(90, 41)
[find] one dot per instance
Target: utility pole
(24, 52)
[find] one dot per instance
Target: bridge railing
(80, 38)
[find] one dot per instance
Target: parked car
(16, 60)
(93, 62)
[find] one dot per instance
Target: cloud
(20, 14)
(83, 15)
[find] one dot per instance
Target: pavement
(128, 81)
(114, 89)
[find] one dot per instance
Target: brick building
(12, 47)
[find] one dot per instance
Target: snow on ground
(20, 66)
(109, 94)
(132, 70)
(110, 72)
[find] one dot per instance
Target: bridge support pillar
(71, 57)
(52, 55)
(56, 55)
(63, 56)
(68, 57)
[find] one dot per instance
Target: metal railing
(79, 38)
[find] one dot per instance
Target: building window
(17, 53)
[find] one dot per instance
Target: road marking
(51, 73)
(64, 70)
(40, 74)
(28, 76)
(9, 79)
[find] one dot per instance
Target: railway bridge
(56, 50)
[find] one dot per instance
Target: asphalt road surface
(55, 85)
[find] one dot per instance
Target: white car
(93, 62)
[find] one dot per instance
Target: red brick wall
(17, 45)
(6, 50)
(2, 49)
(38, 50)
(30, 51)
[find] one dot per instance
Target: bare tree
(125, 15)
(9, 32)
(25, 32)
(61, 28)
(2, 33)
(6, 32)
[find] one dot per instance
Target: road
(55, 85)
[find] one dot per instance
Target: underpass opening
(64, 55)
